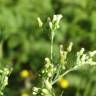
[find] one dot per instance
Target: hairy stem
(52, 41)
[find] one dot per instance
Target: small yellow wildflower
(24, 73)
(24, 94)
(63, 83)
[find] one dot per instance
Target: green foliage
(19, 27)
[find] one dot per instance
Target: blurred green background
(25, 45)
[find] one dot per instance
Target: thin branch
(73, 69)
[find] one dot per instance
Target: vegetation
(24, 44)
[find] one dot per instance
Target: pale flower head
(54, 24)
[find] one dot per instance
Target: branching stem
(73, 69)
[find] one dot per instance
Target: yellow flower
(63, 83)
(24, 73)
(24, 94)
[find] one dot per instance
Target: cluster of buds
(81, 57)
(3, 79)
(54, 24)
(35, 91)
(85, 58)
(41, 92)
(63, 54)
(49, 69)
(46, 74)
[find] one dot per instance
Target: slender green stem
(72, 69)
(52, 42)
(62, 93)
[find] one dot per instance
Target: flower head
(63, 83)
(24, 73)
(24, 94)
(54, 24)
